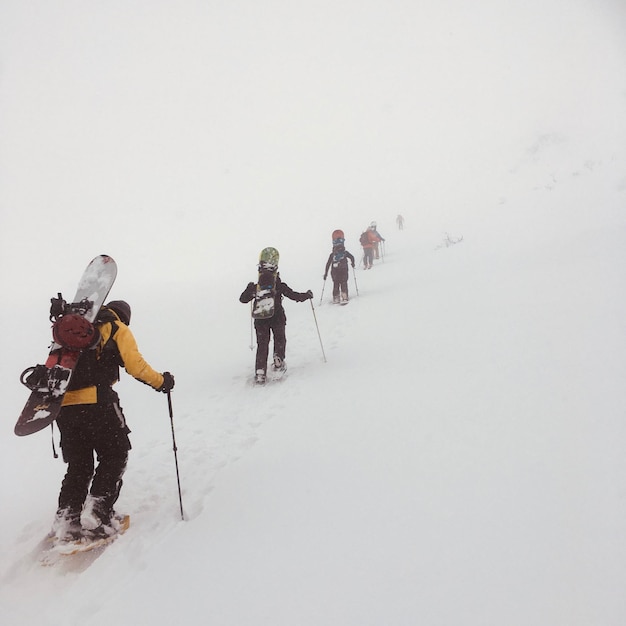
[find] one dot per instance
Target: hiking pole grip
(174, 447)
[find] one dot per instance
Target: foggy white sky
(192, 123)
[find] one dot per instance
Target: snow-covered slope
(457, 459)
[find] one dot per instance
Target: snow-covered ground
(458, 457)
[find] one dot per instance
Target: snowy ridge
(444, 448)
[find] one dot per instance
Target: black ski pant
(88, 429)
(275, 326)
(340, 282)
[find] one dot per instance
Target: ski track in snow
(208, 439)
(452, 435)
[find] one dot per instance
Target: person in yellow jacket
(91, 422)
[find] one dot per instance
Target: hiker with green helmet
(268, 312)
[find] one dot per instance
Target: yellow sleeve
(134, 363)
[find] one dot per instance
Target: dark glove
(248, 293)
(309, 295)
(325, 275)
(57, 307)
(168, 383)
(353, 266)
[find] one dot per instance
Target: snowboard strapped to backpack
(70, 328)
(264, 297)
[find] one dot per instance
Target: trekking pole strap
(54, 450)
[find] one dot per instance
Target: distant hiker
(339, 272)
(91, 422)
(400, 222)
(368, 240)
(378, 239)
(268, 312)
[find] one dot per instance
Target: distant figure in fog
(378, 238)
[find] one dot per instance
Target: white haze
(459, 457)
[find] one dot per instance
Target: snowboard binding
(50, 382)
(59, 307)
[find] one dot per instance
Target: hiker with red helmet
(338, 259)
(369, 240)
(91, 422)
(376, 238)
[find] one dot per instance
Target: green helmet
(269, 256)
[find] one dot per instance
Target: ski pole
(324, 285)
(180, 495)
(318, 330)
(251, 326)
(355, 284)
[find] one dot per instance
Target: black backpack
(264, 295)
(100, 365)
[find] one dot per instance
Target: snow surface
(459, 457)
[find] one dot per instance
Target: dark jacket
(340, 269)
(282, 289)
